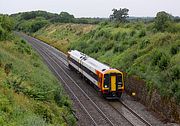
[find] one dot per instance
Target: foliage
(33, 15)
(25, 18)
(32, 25)
(162, 21)
(119, 15)
(6, 25)
(29, 93)
(134, 48)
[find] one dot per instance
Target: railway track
(133, 117)
(54, 60)
(84, 100)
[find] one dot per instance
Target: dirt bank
(166, 108)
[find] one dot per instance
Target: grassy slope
(131, 47)
(60, 35)
(29, 94)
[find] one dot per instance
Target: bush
(132, 33)
(23, 47)
(156, 56)
(118, 48)
(164, 62)
(160, 59)
(117, 36)
(108, 46)
(142, 33)
(123, 35)
(175, 73)
(143, 43)
(175, 49)
(8, 68)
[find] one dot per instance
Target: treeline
(34, 20)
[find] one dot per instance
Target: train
(108, 81)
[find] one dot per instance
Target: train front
(113, 83)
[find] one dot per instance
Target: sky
(92, 8)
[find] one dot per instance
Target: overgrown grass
(60, 35)
(135, 48)
(29, 93)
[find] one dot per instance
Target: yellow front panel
(113, 83)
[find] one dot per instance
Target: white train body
(95, 72)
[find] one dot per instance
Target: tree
(162, 21)
(119, 15)
(6, 26)
(65, 17)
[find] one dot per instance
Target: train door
(113, 83)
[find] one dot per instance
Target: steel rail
(95, 105)
(59, 59)
(68, 88)
(100, 111)
(134, 113)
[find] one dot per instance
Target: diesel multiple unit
(107, 80)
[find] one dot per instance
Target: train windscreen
(106, 80)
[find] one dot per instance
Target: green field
(29, 93)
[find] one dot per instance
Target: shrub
(103, 33)
(44, 112)
(8, 67)
(134, 56)
(175, 49)
(123, 35)
(156, 56)
(143, 43)
(132, 42)
(71, 120)
(23, 47)
(175, 73)
(104, 23)
(108, 46)
(142, 33)
(118, 48)
(132, 33)
(164, 62)
(160, 59)
(116, 25)
(117, 36)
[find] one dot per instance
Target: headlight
(105, 86)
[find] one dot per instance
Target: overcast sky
(92, 8)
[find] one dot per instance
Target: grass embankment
(60, 35)
(29, 93)
(135, 48)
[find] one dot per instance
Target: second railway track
(96, 115)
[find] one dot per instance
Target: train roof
(91, 61)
